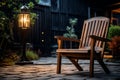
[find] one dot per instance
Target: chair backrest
(94, 26)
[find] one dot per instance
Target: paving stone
(47, 71)
(10, 78)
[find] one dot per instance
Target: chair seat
(80, 50)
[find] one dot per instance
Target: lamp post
(24, 24)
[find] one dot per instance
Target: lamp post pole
(24, 58)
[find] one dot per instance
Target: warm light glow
(24, 20)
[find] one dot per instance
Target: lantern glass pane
(24, 20)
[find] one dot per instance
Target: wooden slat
(97, 31)
(93, 28)
(89, 31)
(101, 32)
(83, 34)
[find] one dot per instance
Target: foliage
(37, 1)
(31, 55)
(115, 42)
(3, 19)
(70, 30)
(114, 30)
(33, 16)
(4, 29)
(8, 14)
(9, 58)
(9, 10)
(114, 45)
(10, 7)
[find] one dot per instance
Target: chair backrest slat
(94, 26)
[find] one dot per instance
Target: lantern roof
(24, 8)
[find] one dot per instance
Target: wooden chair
(91, 45)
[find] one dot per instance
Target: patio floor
(45, 69)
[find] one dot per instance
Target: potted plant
(114, 45)
(70, 29)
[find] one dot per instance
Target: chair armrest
(66, 39)
(94, 38)
(99, 38)
(60, 40)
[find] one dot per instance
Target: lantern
(24, 18)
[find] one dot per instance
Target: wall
(52, 20)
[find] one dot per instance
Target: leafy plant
(114, 45)
(9, 10)
(70, 30)
(114, 30)
(10, 7)
(33, 16)
(31, 55)
(4, 30)
(9, 58)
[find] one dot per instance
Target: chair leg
(75, 63)
(91, 67)
(103, 66)
(58, 63)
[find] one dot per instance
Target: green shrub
(114, 30)
(114, 45)
(7, 62)
(9, 58)
(31, 55)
